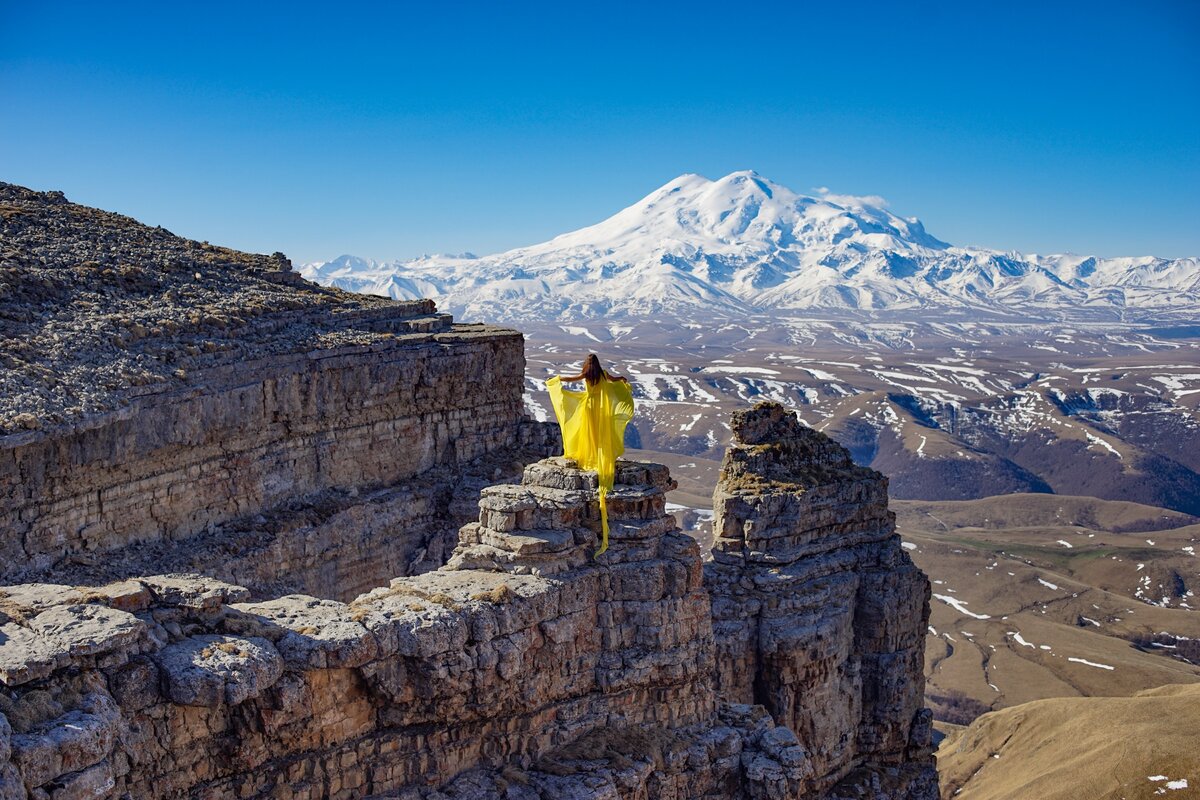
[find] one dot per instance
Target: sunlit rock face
(237, 540)
(819, 614)
(168, 405)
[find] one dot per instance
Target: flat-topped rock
(194, 591)
(482, 556)
(26, 599)
(211, 669)
(528, 542)
(63, 635)
(85, 630)
(550, 523)
(25, 656)
(559, 473)
(307, 632)
(564, 473)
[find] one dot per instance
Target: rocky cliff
(524, 668)
(235, 503)
(818, 613)
(167, 404)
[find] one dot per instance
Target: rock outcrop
(525, 668)
(819, 614)
(237, 500)
(170, 405)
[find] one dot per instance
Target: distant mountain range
(744, 244)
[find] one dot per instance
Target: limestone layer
(170, 405)
(571, 680)
(263, 458)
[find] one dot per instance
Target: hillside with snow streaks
(745, 245)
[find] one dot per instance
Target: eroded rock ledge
(522, 669)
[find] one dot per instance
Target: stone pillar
(818, 613)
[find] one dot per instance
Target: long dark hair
(592, 372)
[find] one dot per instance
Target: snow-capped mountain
(744, 244)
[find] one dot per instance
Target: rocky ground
(95, 306)
(525, 668)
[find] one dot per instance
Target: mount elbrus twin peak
(746, 245)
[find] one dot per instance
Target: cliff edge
(522, 669)
(170, 405)
(818, 613)
(232, 510)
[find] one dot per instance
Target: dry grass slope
(1041, 596)
(1099, 748)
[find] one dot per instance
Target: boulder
(210, 669)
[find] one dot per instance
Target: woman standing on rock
(593, 424)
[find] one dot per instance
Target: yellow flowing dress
(593, 430)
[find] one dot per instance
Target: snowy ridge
(744, 244)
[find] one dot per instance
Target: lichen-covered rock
(24, 656)
(84, 629)
(193, 591)
(307, 632)
(27, 599)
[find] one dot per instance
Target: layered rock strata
(525, 668)
(818, 613)
(169, 408)
(521, 669)
(309, 432)
(170, 405)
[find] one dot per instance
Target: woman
(593, 424)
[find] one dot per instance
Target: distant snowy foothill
(744, 244)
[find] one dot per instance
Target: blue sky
(391, 130)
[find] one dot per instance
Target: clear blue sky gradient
(394, 130)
